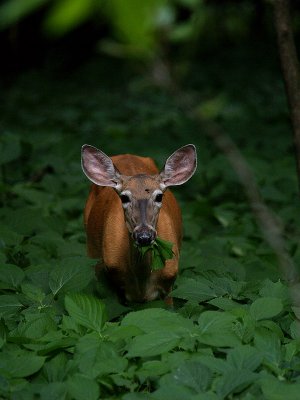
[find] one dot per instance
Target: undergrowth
(233, 332)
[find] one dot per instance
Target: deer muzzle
(144, 235)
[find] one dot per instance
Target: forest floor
(234, 331)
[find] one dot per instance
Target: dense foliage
(233, 332)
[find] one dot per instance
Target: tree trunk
(290, 68)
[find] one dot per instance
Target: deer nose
(144, 236)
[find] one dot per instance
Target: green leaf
(9, 305)
(169, 391)
(55, 370)
(161, 250)
(214, 364)
(96, 358)
(190, 289)
(53, 391)
(194, 375)
(37, 325)
(217, 329)
(268, 344)
(152, 344)
(86, 310)
(8, 236)
(11, 274)
(20, 364)
(265, 307)
(71, 274)
(235, 380)
(33, 293)
(152, 368)
(224, 303)
(81, 387)
(244, 358)
(274, 389)
(274, 289)
(157, 319)
(295, 329)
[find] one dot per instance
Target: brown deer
(128, 206)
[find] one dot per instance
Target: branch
(268, 223)
(290, 68)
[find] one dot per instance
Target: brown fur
(108, 238)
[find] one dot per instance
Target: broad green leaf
(152, 368)
(295, 329)
(37, 325)
(8, 236)
(291, 349)
(224, 303)
(55, 369)
(72, 274)
(169, 391)
(9, 305)
(274, 289)
(33, 292)
(194, 375)
(214, 364)
(274, 389)
(20, 364)
(265, 307)
(47, 345)
(117, 332)
(268, 344)
(81, 387)
(245, 328)
(190, 289)
(69, 324)
(11, 274)
(21, 220)
(296, 311)
(86, 310)
(206, 396)
(157, 319)
(38, 275)
(217, 329)
(96, 358)
(53, 391)
(137, 396)
(152, 344)
(235, 380)
(244, 358)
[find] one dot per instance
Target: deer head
(141, 195)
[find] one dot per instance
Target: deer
(128, 206)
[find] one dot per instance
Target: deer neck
(139, 271)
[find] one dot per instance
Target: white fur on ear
(98, 167)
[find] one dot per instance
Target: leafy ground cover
(233, 332)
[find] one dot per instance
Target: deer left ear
(180, 166)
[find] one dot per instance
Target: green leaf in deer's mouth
(161, 250)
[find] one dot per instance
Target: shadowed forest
(147, 77)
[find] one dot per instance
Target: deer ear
(98, 167)
(180, 166)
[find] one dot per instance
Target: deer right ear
(98, 167)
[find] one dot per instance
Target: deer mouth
(144, 236)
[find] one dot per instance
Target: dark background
(128, 77)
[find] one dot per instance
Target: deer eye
(125, 199)
(158, 198)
